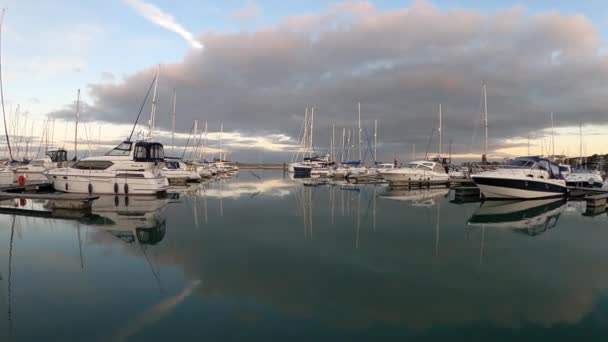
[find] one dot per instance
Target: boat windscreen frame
(124, 151)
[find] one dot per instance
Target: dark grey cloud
(400, 64)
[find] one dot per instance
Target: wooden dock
(596, 201)
(46, 186)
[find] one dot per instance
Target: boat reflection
(531, 217)
(418, 197)
(131, 219)
(236, 189)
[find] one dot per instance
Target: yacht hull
(104, 185)
(396, 178)
(505, 188)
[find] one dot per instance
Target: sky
(255, 66)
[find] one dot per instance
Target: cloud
(164, 20)
(107, 76)
(400, 64)
(250, 11)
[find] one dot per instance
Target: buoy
(21, 180)
(126, 188)
(66, 186)
(22, 202)
(115, 188)
(90, 188)
(116, 201)
(126, 201)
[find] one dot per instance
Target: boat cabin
(426, 166)
(58, 156)
(141, 151)
(536, 163)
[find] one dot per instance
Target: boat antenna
(8, 140)
(140, 108)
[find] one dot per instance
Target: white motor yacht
(132, 168)
(583, 178)
(175, 170)
(34, 171)
(524, 178)
(422, 170)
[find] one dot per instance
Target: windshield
(123, 149)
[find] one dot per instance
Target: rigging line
(187, 142)
(142, 107)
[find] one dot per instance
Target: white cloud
(250, 11)
(162, 19)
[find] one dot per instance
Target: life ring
(21, 180)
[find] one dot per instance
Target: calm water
(270, 259)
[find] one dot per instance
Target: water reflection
(326, 262)
(417, 197)
(532, 217)
(131, 218)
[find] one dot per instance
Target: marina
(303, 171)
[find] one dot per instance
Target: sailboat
(35, 170)
(582, 176)
(419, 170)
(175, 169)
(129, 168)
(303, 168)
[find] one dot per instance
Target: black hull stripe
(521, 184)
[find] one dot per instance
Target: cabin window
(58, 156)
(172, 165)
(123, 149)
(141, 152)
(425, 168)
(148, 152)
(411, 165)
(92, 165)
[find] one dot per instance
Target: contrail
(162, 19)
(155, 313)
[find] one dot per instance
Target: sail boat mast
(485, 119)
(343, 136)
(440, 133)
(153, 111)
(333, 138)
(173, 122)
(312, 118)
(76, 126)
(580, 141)
(552, 137)
(8, 140)
(375, 140)
(359, 110)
